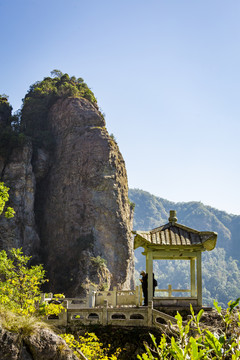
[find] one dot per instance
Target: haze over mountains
(221, 273)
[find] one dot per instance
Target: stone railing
(170, 290)
(105, 315)
(74, 303)
(115, 298)
(119, 297)
(168, 300)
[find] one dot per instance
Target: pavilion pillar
(150, 274)
(199, 278)
(146, 262)
(193, 277)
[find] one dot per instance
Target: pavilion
(174, 241)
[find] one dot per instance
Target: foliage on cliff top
(10, 135)
(5, 109)
(40, 98)
(32, 120)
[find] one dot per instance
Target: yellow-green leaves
(217, 307)
(4, 197)
(202, 344)
(19, 285)
(213, 343)
(90, 347)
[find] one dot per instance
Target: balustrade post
(170, 290)
(193, 277)
(199, 278)
(150, 275)
(137, 295)
(87, 299)
(92, 295)
(105, 312)
(141, 295)
(65, 303)
(114, 296)
(150, 311)
(64, 314)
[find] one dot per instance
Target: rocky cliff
(20, 231)
(71, 203)
(83, 200)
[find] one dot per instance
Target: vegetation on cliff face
(221, 271)
(4, 197)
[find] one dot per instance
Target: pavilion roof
(174, 235)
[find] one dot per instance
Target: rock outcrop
(72, 207)
(41, 344)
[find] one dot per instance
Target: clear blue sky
(165, 72)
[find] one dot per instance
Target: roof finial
(172, 216)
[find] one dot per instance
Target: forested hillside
(221, 269)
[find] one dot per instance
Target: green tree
(20, 285)
(56, 73)
(4, 196)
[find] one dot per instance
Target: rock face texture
(20, 231)
(72, 204)
(42, 344)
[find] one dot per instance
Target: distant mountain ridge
(152, 211)
(221, 271)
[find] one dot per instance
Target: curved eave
(143, 239)
(140, 241)
(210, 243)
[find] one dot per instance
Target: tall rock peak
(82, 212)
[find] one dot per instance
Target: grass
(24, 325)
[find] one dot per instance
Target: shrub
(90, 347)
(10, 135)
(20, 285)
(99, 261)
(202, 344)
(4, 196)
